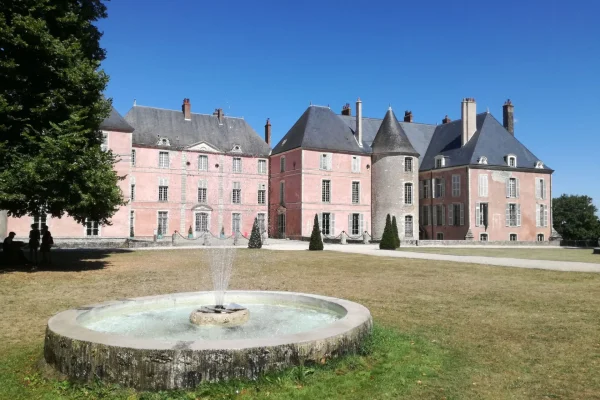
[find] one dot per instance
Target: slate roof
(391, 138)
(320, 128)
(491, 140)
(115, 122)
(151, 122)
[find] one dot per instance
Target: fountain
(177, 341)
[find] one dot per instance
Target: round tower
(394, 180)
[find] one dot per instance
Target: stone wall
(507, 243)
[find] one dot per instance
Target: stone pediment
(203, 146)
(201, 207)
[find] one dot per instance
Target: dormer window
(482, 160)
(163, 142)
(236, 149)
(440, 161)
(511, 161)
(539, 165)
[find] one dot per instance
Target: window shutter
(477, 213)
(450, 215)
(132, 180)
(434, 214)
(543, 183)
(420, 189)
(507, 215)
(320, 222)
(462, 214)
(429, 217)
(332, 228)
(537, 188)
(485, 185)
(443, 215)
(349, 231)
(508, 188)
(537, 215)
(443, 187)
(421, 214)
(329, 162)
(518, 215)
(517, 186)
(545, 216)
(458, 180)
(360, 232)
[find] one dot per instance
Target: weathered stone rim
(67, 324)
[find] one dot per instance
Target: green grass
(576, 255)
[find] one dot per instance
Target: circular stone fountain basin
(149, 343)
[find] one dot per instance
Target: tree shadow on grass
(66, 260)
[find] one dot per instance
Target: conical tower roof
(391, 138)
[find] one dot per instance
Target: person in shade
(34, 245)
(12, 250)
(47, 242)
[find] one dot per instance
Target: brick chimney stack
(446, 120)
(346, 110)
(508, 118)
(186, 108)
(268, 132)
(408, 117)
(219, 114)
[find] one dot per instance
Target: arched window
(511, 161)
(482, 160)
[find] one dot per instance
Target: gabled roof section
(320, 128)
(115, 122)
(391, 138)
(150, 123)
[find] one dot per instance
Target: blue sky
(272, 58)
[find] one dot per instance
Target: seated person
(12, 249)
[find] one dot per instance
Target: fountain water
(221, 265)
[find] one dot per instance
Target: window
(282, 164)
(281, 192)
(426, 192)
(132, 224)
(355, 224)
(482, 160)
(439, 236)
(163, 159)
(326, 223)
(260, 218)
(511, 161)
(539, 165)
(439, 187)
(483, 237)
(40, 220)
(325, 162)
(455, 185)
(355, 192)
(540, 188)
(408, 226)
(281, 226)
(236, 194)
(481, 214)
(408, 193)
(355, 164)
(132, 192)
(483, 185)
(540, 237)
(163, 223)
(202, 192)
(133, 157)
(237, 165)
(513, 214)
(512, 188)
(201, 222)
(456, 214)
(92, 228)
(163, 193)
(440, 162)
(541, 215)
(104, 144)
(262, 167)
(164, 142)
(408, 164)
(262, 193)
(512, 237)
(426, 219)
(326, 191)
(202, 163)
(439, 214)
(236, 222)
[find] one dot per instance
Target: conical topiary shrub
(315, 238)
(395, 232)
(387, 239)
(255, 241)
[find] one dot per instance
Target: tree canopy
(575, 217)
(51, 107)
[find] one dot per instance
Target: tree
(255, 241)
(51, 107)
(575, 218)
(395, 232)
(316, 243)
(387, 239)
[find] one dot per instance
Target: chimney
(359, 122)
(446, 120)
(186, 108)
(268, 132)
(508, 118)
(469, 119)
(219, 114)
(346, 110)
(408, 116)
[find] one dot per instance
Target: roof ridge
(193, 113)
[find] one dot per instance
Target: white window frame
(237, 165)
(262, 194)
(511, 159)
(281, 192)
(427, 189)
(358, 224)
(441, 182)
(326, 192)
(440, 161)
(104, 143)
(322, 225)
(163, 185)
(408, 194)
(509, 220)
(282, 164)
(542, 236)
(236, 193)
(352, 194)
(85, 228)
(203, 188)
(202, 162)
(325, 161)
(262, 225)
(483, 184)
(164, 159)
(540, 188)
(240, 222)
(484, 235)
(197, 214)
(539, 165)
(412, 226)
(356, 164)
(408, 164)
(42, 219)
(262, 166)
(510, 237)
(455, 185)
(482, 160)
(512, 191)
(541, 215)
(454, 218)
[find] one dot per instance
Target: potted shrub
(190, 233)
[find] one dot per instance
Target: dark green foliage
(395, 232)
(575, 218)
(387, 239)
(255, 240)
(316, 243)
(51, 106)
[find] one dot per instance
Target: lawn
(443, 330)
(555, 254)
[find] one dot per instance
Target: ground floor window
(92, 228)
(236, 222)
(201, 222)
(260, 219)
(513, 237)
(163, 222)
(131, 223)
(408, 226)
(439, 236)
(326, 223)
(40, 220)
(281, 226)
(540, 237)
(483, 237)
(355, 224)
